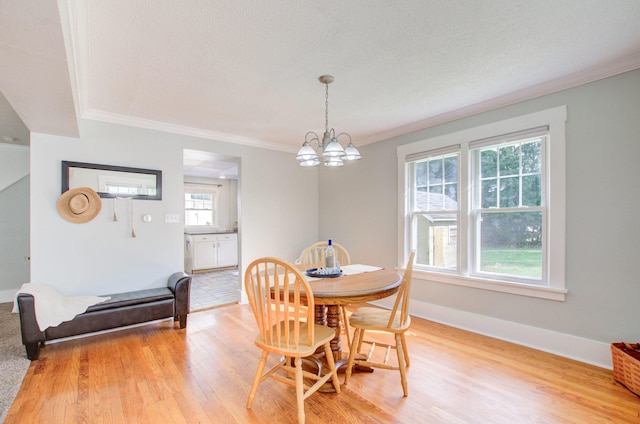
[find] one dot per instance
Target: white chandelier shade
(329, 148)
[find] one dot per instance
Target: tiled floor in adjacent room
(213, 289)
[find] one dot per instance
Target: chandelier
(332, 152)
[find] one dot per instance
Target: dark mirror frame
(66, 165)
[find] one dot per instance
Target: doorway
(211, 244)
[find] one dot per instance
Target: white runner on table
(358, 269)
(349, 270)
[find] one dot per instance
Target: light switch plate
(171, 218)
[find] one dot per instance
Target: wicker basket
(626, 365)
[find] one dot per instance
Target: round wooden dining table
(330, 293)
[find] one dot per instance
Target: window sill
(520, 289)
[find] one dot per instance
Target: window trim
(555, 120)
(197, 188)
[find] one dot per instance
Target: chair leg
(328, 354)
(257, 378)
(345, 323)
(405, 350)
(352, 354)
(300, 390)
(401, 364)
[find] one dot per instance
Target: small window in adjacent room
(200, 206)
(485, 207)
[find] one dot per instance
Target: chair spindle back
(402, 298)
(313, 256)
(276, 292)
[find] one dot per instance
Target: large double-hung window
(509, 206)
(484, 207)
(434, 209)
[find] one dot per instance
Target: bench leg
(33, 350)
(183, 321)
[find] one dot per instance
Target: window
(484, 207)
(435, 210)
(200, 206)
(508, 207)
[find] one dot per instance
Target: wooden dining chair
(287, 328)
(314, 254)
(395, 321)
(313, 257)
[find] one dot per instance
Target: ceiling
(246, 71)
(198, 163)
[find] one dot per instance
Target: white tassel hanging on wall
(115, 215)
(133, 231)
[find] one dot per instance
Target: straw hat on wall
(79, 205)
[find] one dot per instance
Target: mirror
(113, 181)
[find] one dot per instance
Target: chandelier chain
(326, 107)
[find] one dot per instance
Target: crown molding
(629, 63)
(183, 130)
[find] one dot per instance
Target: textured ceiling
(246, 70)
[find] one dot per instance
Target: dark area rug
(13, 358)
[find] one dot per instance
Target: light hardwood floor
(158, 374)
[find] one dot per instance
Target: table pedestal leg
(329, 315)
(333, 321)
(321, 314)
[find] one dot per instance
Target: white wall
(603, 147)
(101, 257)
(14, 219)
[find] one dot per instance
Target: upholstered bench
(121, 310)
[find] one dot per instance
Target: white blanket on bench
(52, 308)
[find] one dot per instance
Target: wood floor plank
(158, 373)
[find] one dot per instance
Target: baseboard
(578, 348)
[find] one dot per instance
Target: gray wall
(603, 147)
(14, 218)
(101, 257)
(14, 242)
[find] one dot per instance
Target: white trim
(114, 118)
(522, 289)
(553, 116)
(578, 348)
(555, 119)
(10, 146)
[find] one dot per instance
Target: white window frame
(201, 188)
(555, 154)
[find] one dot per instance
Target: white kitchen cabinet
(206, 251)
(227, 250)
